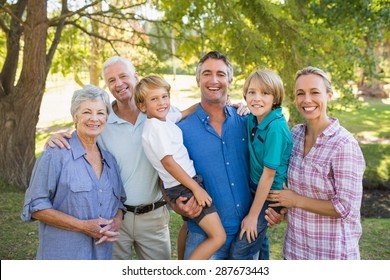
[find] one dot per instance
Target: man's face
(120, 81)
(213, 81)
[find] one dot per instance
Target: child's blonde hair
(270, 82)
(147, 83)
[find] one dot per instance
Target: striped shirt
(332, 170)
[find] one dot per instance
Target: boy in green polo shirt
(270, 147)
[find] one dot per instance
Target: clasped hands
(103, 230)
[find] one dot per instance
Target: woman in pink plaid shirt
(324, 179)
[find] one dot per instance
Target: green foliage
(286, 36)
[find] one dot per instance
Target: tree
(33, 32)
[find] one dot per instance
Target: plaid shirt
(332, 170)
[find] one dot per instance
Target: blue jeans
(194, 239)
(243, 250)
(264, 250)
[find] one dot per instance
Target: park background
(44, 61)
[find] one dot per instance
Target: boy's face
(156, 103)
(259, 102)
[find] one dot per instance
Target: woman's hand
(284, 198)
(101, 230)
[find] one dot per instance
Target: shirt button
(223, 142)
(243, 139)
(100, 190)
(227, 163)
(238, 205)
(232, 184)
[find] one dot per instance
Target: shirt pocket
(323, 179)
(81, 194)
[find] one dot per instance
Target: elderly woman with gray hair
(77, 195)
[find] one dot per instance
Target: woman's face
(311, 97)
(90, 118)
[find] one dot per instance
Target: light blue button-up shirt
(223, 162)
(63, 180)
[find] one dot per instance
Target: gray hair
(89, 92)
(218, 56)
(316, 71)
(117, 59)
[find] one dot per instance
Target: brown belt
(142, 209)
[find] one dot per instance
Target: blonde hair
(147, 83)
(316, 71)
(270, 82)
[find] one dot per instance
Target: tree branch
(57, 36)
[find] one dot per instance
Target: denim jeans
(194, 239)
(243, 250)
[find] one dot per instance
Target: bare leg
(212, 225)
(181, 241)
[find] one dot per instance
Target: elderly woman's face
(90, 118)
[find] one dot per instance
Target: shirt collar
(204, 117)
(273, 115)
(79, 151)
(113, 118)
(332, 128)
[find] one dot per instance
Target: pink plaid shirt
(332, 170)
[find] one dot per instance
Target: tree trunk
(19, 106)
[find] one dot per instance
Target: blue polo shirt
(270, 145)
(223, 162)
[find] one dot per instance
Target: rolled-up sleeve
(348, 168)
(42, 186)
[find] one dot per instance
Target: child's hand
(249, 226)
(202, 197)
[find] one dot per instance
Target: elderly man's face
(120, 81)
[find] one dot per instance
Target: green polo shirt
(270, 145)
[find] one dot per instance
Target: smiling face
(259, 101)
(120, 81)
(213, 81)
(90, 118)
(156, 104)
(311, 97)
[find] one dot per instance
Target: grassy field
(19, 240)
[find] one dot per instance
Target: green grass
(371, 120)
(19, 240)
